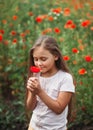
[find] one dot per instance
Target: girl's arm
(31, 100)
(30, 96)
(57, 105)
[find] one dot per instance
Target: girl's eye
(35, 59)
(43, 58)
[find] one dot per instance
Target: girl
(49, 95)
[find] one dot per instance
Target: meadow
(21, 22)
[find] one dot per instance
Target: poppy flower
(48, 30)
(70, 24)
(23, 35)
(14, 41)
(57, 30)
(88, 58)
(30, 13)
(38, 19)
(2, 31)
(57, 10)
(34, 69)
(82, 71)
(1, 37)
(66, 58)
(15, 17)
(85, 23)
(75, 50)
(13, 33)
(73, 26)
(67, 11)
(50, 18)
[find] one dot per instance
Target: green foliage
(20, 25)
(12, 116)
(8, 8)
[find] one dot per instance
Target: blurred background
(21, 22)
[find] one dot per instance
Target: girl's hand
(33, 85)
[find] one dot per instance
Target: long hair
(49, 43)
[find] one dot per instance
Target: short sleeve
(67, 84)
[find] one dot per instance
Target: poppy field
(21, 22)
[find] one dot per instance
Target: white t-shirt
(44, 118)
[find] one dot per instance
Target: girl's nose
(39, 63)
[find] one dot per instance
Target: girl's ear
(56, 57)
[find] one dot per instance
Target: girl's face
(45, 61)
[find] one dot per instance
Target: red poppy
(70, 24)
(38, 19)
(85, 23)
(1, 37)
(23, 35)
(14, 41)
(57, 30)
(30, 13)
(2, 31)
(88, 58)
(73, 26)
(15, 17)
(82, 71)
(48, 30)
(57, 10)
(13, 33)
(75, 50)
(66, 58)
(67, 11)
(50, 18)
(34, 69)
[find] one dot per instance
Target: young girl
(50, 94)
